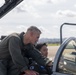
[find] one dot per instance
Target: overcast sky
(48, 15)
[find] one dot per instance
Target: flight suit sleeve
(36, 55)
(15, 52)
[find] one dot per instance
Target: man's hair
(39, 46)
(34, 29)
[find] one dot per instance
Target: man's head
(43, 49)
(32, 35)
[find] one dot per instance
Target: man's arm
(37, 56)
(15, 52)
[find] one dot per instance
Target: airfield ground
(52, 51)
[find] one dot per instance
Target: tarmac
(52, 52)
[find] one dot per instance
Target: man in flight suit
(15, 47)
(42, 47)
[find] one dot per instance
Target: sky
(47, 15)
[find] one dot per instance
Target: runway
(52, 51)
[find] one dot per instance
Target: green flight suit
(13, 55)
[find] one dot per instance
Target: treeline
(50, 41)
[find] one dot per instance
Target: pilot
(15, 48)
(42, 48)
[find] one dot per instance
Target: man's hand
(31, 72)
(50, 63)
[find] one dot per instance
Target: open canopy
(7, 6)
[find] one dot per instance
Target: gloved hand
(49, 69)
(30, 72)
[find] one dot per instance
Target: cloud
(8, 29)
(45, 32)
(2, 2)
(58, 1)
(43, 29)
(20, 9)
(21, 27)
(36, 7)
(75, 5)
(64, 13)
(67, 13)
(43, 2)
(36, 2)
(55, 26)
(27, 7)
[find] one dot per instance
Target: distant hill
(49, 40)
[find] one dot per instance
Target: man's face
(34, 37)
(44, 51)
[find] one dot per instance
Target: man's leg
(12, 69)
(3, 70)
